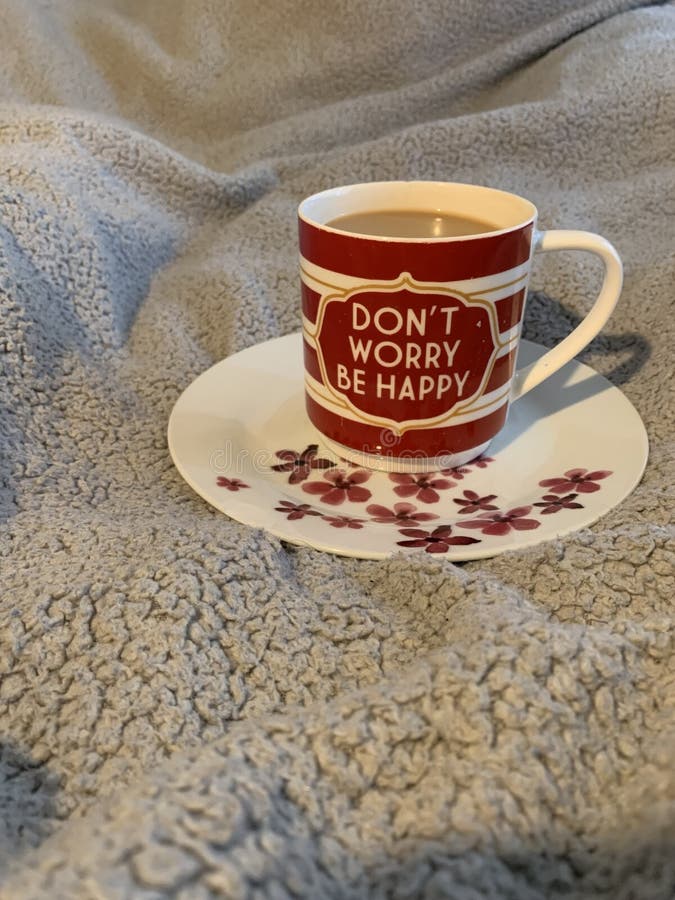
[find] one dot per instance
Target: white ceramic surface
(573, 448)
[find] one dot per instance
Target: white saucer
(572, 449)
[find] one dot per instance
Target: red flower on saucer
(230, 484)
(401, 514)
(472, 503)
(481, 462)
(457, 472)
(301, 464)
(424, 487)
(339, 486)
(552, 503)
(580, 480)
(501, 523)
(437, 541)
(296, 510)
(344, 521)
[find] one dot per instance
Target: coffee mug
(410, 342)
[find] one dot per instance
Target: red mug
(410, 344)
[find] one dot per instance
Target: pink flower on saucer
(472, 503)
(424, 487)
(437, 541)
(401, 514)
(552, 503)
(339, 486)
(501, 523)
(344, 521)
(481, 462)
(295, 510)
(457, 472)
(230, 484)
(300, 464)
(580, 480)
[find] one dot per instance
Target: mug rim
(468, 187)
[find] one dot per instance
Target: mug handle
(530, 376)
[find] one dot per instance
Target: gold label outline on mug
(387, 287)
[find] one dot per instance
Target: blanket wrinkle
(192, 708)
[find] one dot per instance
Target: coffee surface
(410, 223)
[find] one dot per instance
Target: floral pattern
(552, 503)
(296, 510)
(339, 486)
(424, 487)
(580, 480)
(502, 523)
(343, 482)
(472, 503)
(344, 521)
(231, 484)
(401, 514)
(437, 541)
(481, 462)
(301, 464)
(458, 472)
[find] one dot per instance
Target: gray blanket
(191, 708)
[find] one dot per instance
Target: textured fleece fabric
(191, 708)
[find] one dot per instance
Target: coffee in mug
(410, 223)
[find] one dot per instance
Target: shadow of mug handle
(530, 376)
